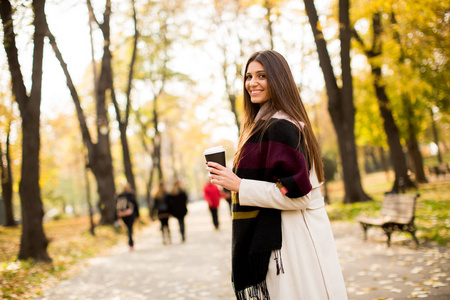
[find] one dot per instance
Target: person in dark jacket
(178, 205)
(161, 207)
(127, 209)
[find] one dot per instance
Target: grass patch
(432, 217)
(70, 244)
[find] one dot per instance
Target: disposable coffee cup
(215, 154)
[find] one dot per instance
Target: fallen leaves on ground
(70, 244)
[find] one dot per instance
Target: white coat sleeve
(268, 195)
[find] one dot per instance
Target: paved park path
(199, 269)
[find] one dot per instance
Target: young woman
(283, 246)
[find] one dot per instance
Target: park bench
(397, 213)
(438, 170)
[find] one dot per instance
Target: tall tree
(272, 14)
(155, 75)
(436, 136)
(122, 118)
(412, 131)
(412, 143)
(164, 31)
(99, 153)
(269, 5)
(33, 242)
(414, 63)
(157, 140)
(227, 23)
(340, 100)
(100, 162)
(149, 149)
(402, 178)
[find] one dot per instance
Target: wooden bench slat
(367, 220)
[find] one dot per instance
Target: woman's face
(256, 83)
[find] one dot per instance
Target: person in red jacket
(212, 195)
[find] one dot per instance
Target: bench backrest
(398, 208)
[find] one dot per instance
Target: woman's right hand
(223, 176)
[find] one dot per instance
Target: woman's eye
(262, 76)
(248, 77)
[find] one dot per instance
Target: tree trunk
(436, 136)
(88, 200)
(395, 148)
(149, 198)
(340, 102)
(346, 141)
(123, 123)
(375, 162)
(33, 242)
(7, 182)
(269, 6)
(367, 165)
(126, 156)
(392, 132)
(100, 160)
(157, 155)
(416, 158)
(175, 174)
(157, 142)
(229, 86)
(232, 99)
(101, 167)
(413, 145)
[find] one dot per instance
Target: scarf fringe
(260, 291)
(278, 261)
(256, 292)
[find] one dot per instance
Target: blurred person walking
(212, 195)
(178, 199)
(128, 210)
(161, 208)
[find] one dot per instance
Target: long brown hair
(285, 97)
(160, 190)
(127, 188)
(176, 187)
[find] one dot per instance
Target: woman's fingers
(215, 165)
(223, 176)
(214, 168)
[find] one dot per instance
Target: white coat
(311, 265)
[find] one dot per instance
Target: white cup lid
(214, 150)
